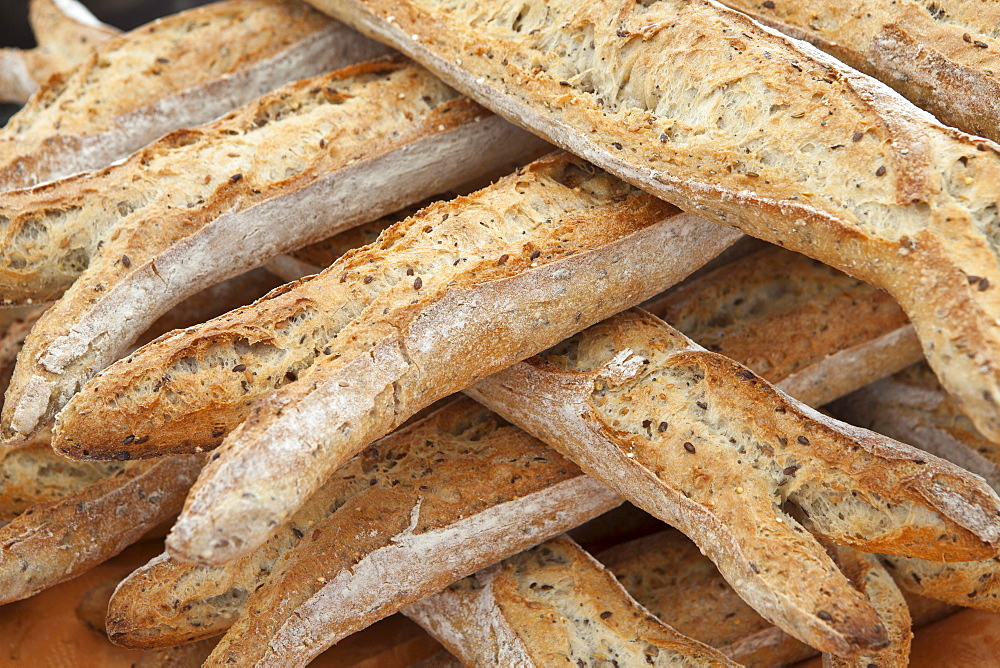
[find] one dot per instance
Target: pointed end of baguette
(26, 410)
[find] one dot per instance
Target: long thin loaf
(702, 106)
(643, 409)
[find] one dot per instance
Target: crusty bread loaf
(65, 32)
(57, 540)
(944, 55)
(394, 326)
(553, 605)
(669, 576)
(456, 492)
(912, 406)
(871, 579)
(646, 411)
(458, 467)
(802, 325)
(175, 72)
(14, 332)
(285, 170)
(704, 107)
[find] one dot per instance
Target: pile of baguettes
(324, 474)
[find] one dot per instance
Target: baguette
(386, 330)
(704, 107)
(912, 406)
(667, 574)
(66, 33)
(941, 55)
(285, 170)
(608, 387)
(404, 467)
(814, 331)
(54, 541)
(452, 494)
(553, 604)
(176, 72)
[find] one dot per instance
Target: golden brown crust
(31, 473)
(553, 603)
(616, 418)
(909, 206)
(813, 331)
(57, 540)
(175, 72)
(942, 56)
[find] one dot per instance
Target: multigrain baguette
(175, 72)
(288, 169)
(649, 413)
(459, 463)
(65, 32)
(452, 494)
(912, 406)
(704, 107)
(386, 330)
(57, 540)
(944, 56)
(669, 576)
(815, 331)
(553, 604)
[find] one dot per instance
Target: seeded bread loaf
(57, 540)
(815, 331)
(286, 170)
(386, 330)
(175, 72)
(553, 605)
(454, 470)
(65, 32)
(704, 107)
(944, 55)
(648, 412)
(467, 490)
(912, 406)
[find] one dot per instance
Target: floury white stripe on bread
(200, 205)
(179, 71)
(702, 106)
(383, 332)
(553, 600)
